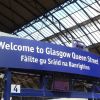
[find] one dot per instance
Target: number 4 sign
(15, 88)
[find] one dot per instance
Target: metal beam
(31, 13)
(44, 11)
(29, 35)
(57, 94)
(97, 2)
(63, 34)
(90, 6)
(52, 21)
(47, 26)
(90, 19)
(75, 27)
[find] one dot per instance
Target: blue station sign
(28, 54)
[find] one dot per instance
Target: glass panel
(97, 35)
(91, 12)
(98, 23)
(28, 37)
(75, 36)
(46, 32)
(27, 30)
(92, 39)
(70, 10)
(67, 22)
(82, 16)
(96, 6)
(86, 40)
(60, 14)
(78, 32)
(30, 28)
(46, 22)
(79, 16)
(85, 30)
(37, 36)
(39, 25)
(89, 1)
(57, 41)
(63, 39)
(54, 28)
(21, 33)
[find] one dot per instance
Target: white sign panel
(15, 88)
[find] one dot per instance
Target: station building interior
(59, 22)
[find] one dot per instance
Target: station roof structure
(55, 21)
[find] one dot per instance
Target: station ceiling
(16, 13)
(55, 21)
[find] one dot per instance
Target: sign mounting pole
(7, 87)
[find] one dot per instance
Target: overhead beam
(43, 13)
(57, 94)
(45, 24)
(74, 27)
(91, 21)
(42, 7)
